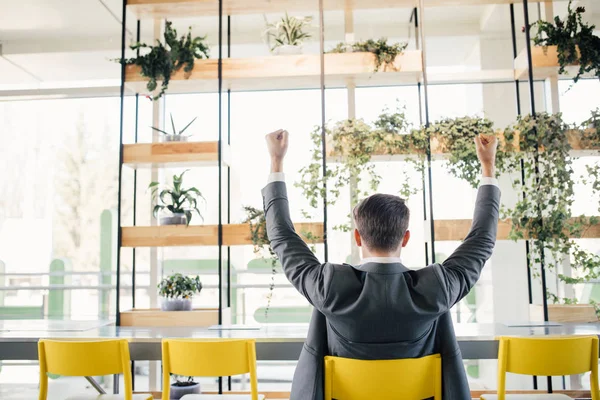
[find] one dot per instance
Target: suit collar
(384, 268)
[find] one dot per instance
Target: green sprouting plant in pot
(575, 41)
(177, 292)
(179, 203)
(164, 59)
(175, 136)
(288, 34)
(385, 53)
(183, 385)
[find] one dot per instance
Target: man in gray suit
(380, 309)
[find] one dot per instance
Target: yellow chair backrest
(190, 357)
(407, 379)
(548, 356)
(90, 358)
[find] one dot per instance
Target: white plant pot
(287, 50)
(173, 219)
(175, 138)
(168, 304)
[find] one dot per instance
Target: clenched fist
(486, 152)
(277, 143)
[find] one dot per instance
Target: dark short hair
(382, 221)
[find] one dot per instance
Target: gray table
(18, 339)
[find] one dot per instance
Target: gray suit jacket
(380, 311)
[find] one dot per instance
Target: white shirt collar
(382, 260)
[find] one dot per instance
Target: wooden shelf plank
(201, 235)
(190, 8)
(174, 154)
(457, 229)
(438, 149)
(287, 72)
(545, 64)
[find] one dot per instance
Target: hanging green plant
(385, 54)
(544, 213)
(574, 39)
(165, 59)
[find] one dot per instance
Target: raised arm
(459, 272)
(299, 263)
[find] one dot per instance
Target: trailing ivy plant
(166, 58)
(544, 213)
(575, 40)
(385, 54)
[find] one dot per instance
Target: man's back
(381, 309)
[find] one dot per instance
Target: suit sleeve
(299, 263)
(459, 272)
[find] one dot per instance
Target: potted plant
(165, 59)
(385, 54)
(574, 39)
(183, 386)
(288, 34)
(176, 136)
(179, 203)
(177, 291)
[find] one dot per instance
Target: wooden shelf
(174, 154)
(545, 64)
(457, 229)
(200, 235)
(439, 150)
(190, 8)
(287, 72)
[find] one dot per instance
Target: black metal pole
(229, 179)
(536, 161)
(220, 168)
(122, 97)
(323, 128)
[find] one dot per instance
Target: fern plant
(288, 31)
(165, 59)
(176, 199)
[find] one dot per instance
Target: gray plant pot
(174, 219)
(176, 304)
(177, 392)
(175, 138)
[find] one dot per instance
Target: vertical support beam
(553, 80)
(120, 166)
(429, 186)
(323, 129)
(108, 258)
(220, 168)
(348, 23)
(133, 251)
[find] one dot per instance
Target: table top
(31, 331)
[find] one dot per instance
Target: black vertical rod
(323, 128)
(533, 113)
(229, 179)
(220, 167)
(426, 107)
(122, 98)
(518, 94)
(133, 258)
(137, 113)
(415, 20)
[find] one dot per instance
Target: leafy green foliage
(175, 132)
(165, 59)
(385, 54)
(176, 199)
(570, 35)
(288, 31)
(178, 286)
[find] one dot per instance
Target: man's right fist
(277, 143)
(486, 152)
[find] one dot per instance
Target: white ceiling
(47, 42)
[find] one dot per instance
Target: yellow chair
(407, 379)
(546, 356)
(94, 358)
(209, 358)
